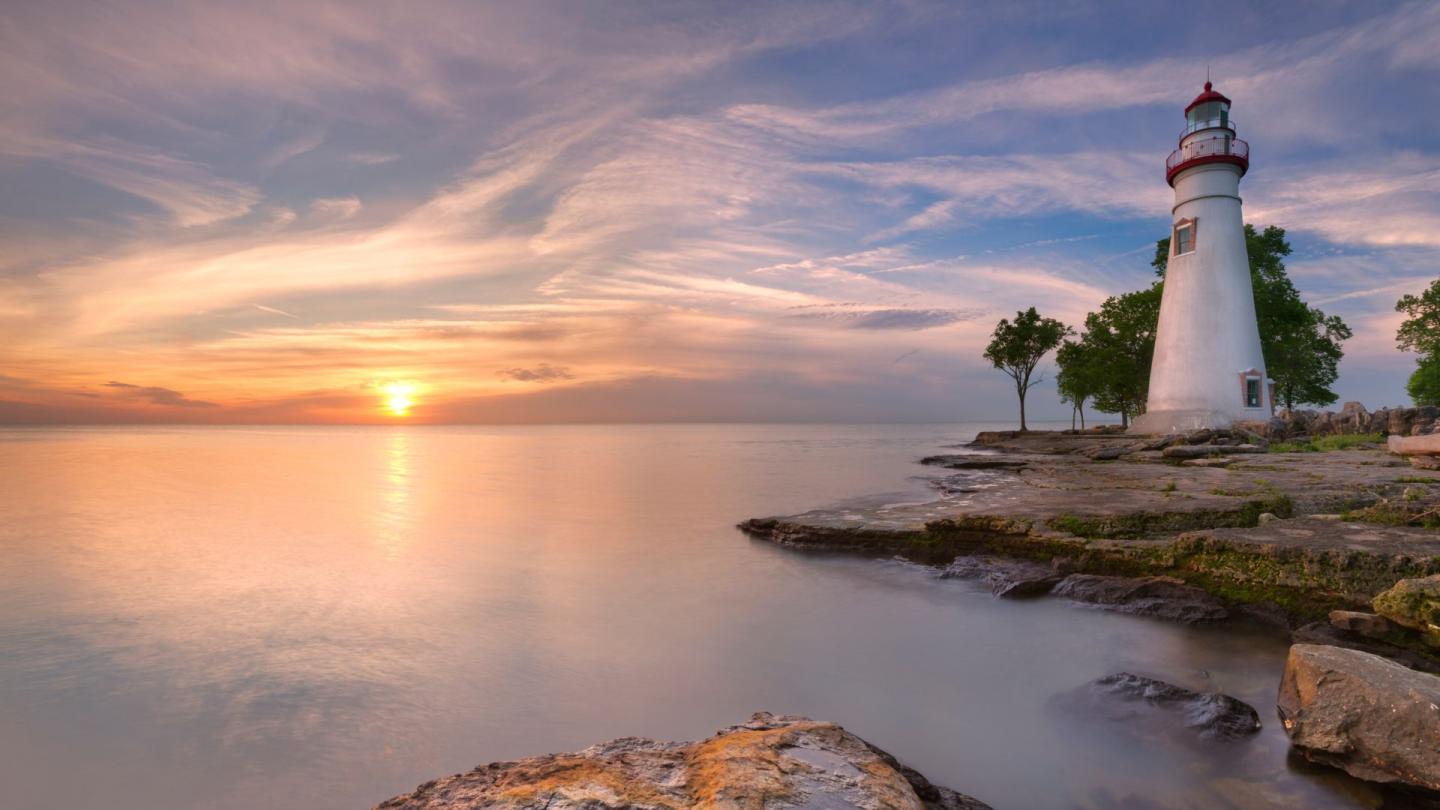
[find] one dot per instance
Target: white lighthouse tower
(1208, 369)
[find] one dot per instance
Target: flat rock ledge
(1371, 717)
(1287, 536)
(769, 762)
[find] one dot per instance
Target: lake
(325, 617)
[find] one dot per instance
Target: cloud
(160, 396)
(658, 199)
(542, 373)
(336, 207)
(893, 318)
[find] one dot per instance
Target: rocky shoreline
(768, 762)
(1335, 548)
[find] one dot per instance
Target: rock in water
(1414, 603)
(1210, 713)
(1161, 597)
(1011, 579)
(769, 762)
(1373, 718)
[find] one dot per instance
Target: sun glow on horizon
(399, 397)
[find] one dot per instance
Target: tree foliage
(1424, 384)
(1111, 360)
(1016, 348)
(1079, 378)
(1300, 343)
(1420, 333)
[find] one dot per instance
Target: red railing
(1219, 149)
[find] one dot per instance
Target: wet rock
(1161, 597)
(1371, 717)
(1012, 579)
(1413, 603)
(1210, 714)
(973, 461)
(1325, 633)
(769, 762)
(1369, 625)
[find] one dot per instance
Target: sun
(399, 397)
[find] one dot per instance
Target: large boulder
(1413, 603)
(769, 762)
(1371, 717)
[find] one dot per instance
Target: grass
(1392, 514)
(1415, 479)
(1327, 444)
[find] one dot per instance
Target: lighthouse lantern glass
(1210, 115)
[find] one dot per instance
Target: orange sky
(273, 212)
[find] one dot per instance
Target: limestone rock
(769, 762)
(1413, 603)
(1373, 718)
(1161, 597)
(1328, 634)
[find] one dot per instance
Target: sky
(358, 212)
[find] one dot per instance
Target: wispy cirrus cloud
(653, 196)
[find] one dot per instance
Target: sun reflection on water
(394, 518)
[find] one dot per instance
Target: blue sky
(583, 211)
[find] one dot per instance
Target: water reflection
(394, 517)
(324, 618)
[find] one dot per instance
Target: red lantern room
(1208, 137)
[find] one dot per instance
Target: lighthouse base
(1167, 422)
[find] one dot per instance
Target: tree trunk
(1124, 420)
(1023, 428)
(1081, 408)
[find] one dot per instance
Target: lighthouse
(1208, 370)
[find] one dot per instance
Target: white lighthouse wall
(1207, 336)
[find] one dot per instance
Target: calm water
(321, 618)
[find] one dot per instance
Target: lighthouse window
(1184, 236)
(1252, 392)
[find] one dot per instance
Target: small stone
(1370, 625)
(1266, 517)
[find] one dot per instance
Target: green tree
(1424, 384)
(1300, 343)
(1420, 333)
(1079, 378)
(1114, 353)
(1017, 348)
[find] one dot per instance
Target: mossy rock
(1414, 603)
